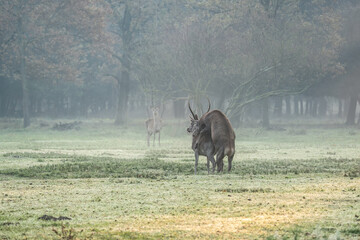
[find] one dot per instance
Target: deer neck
(156, 120)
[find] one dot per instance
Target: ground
(292, 182)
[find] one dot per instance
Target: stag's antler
(209, 104)
(195, 116)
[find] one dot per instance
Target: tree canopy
(76, 57)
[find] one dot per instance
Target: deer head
(155, 112)
(194, 120)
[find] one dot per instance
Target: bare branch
(234, 110)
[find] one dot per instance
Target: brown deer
(153, 125)
(202, 145)
(213, 126)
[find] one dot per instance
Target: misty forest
(108, 128)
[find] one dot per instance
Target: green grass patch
(296, 166)
(151, 166)
(20, 155)
(355, 230)
(100, 167)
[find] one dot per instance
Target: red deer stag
(153, 125)
(202, 144)
(213, 134)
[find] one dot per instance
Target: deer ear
(196, 117)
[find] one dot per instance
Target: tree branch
(233, 110)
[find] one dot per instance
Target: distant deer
(154, 125)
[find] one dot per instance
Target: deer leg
(196, 159)
(154, 139)
(220, 159)
(210, 158)
(230, 158)
(148, 139)
(212, 163)
(221, 165)
(208, 165)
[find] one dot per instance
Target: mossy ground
(292, 184)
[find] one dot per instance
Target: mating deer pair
(212, 134)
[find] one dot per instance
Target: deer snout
(188, 130)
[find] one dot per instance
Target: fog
(97, 139)
(255, 60)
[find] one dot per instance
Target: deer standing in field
(153, 125)
(212, 134)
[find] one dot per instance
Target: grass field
(299, 183)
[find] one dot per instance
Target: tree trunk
(24, 80)
(2, 106)
(236, 120)
(179, 109)
(288, 106)
(278, 106)
(322, 107)
(265, 114)
(340, 111)
(123, 97)
(124, 81)
(314, 108)
(296, 105)
(350, 118)
(308, 106)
